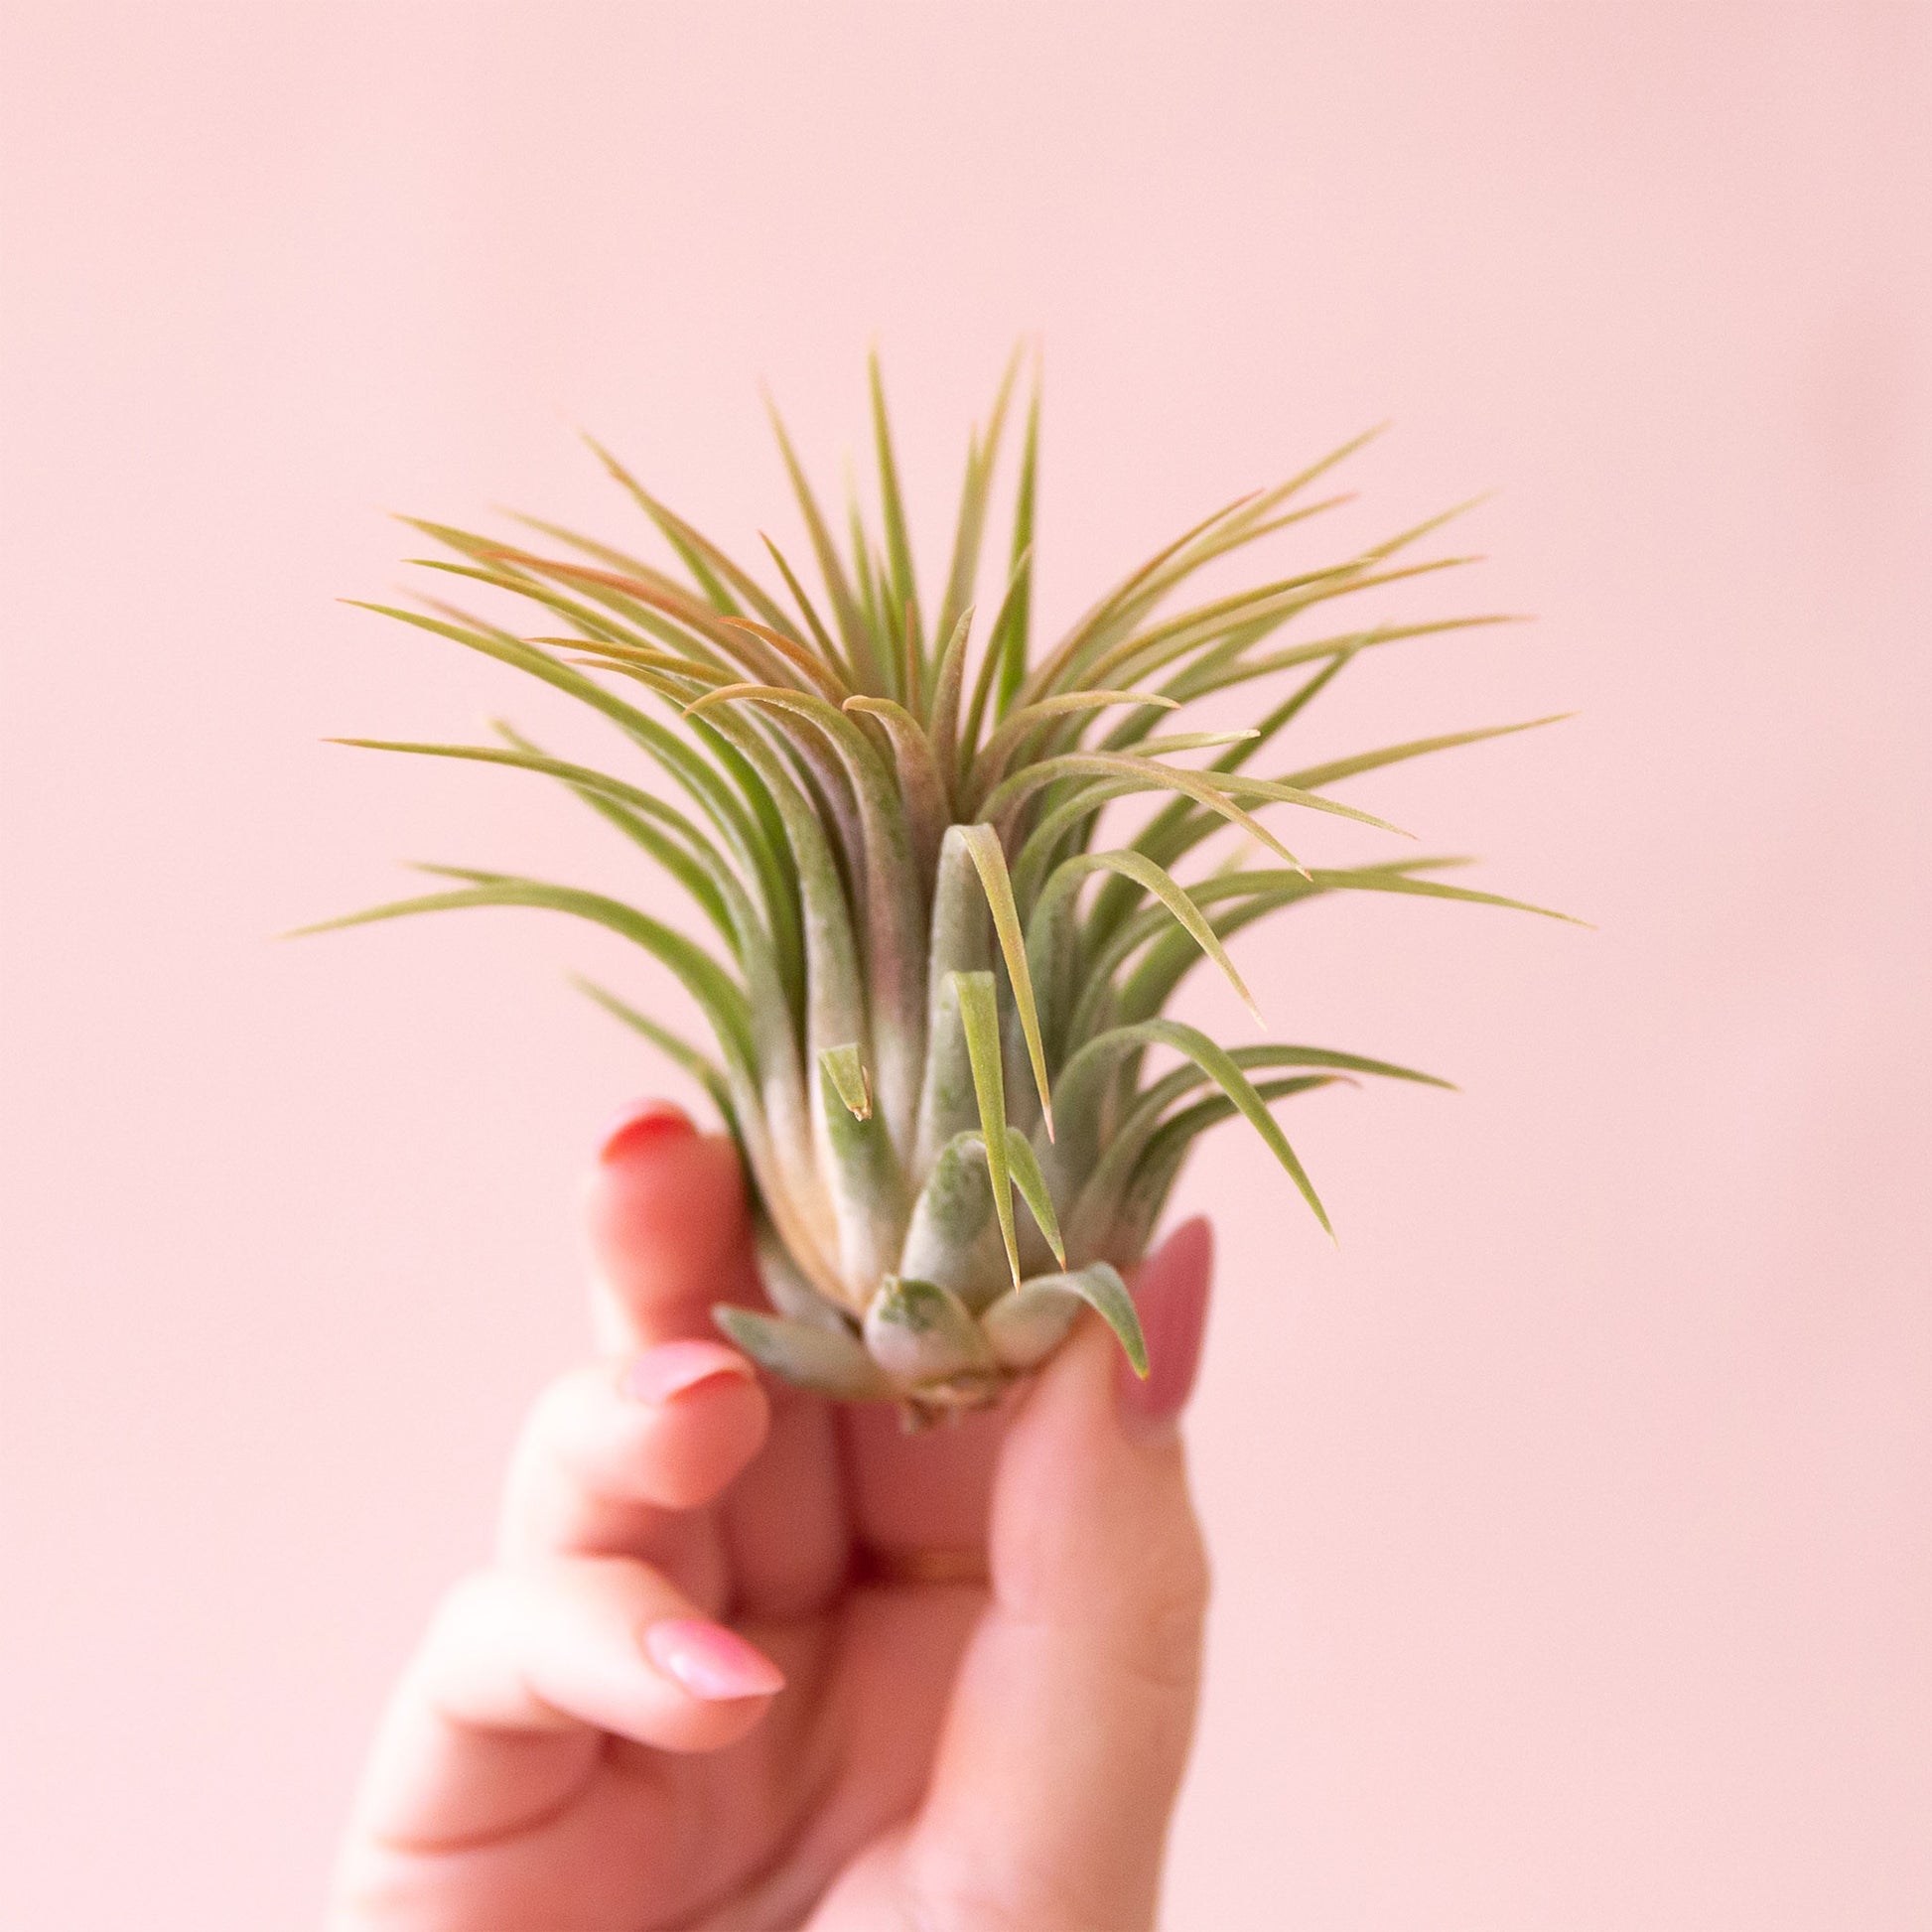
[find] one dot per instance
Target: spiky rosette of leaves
(935, 990)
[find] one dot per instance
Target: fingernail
(642, 1122)
(710, 1661)
(673, 1368)
(1171, 1297)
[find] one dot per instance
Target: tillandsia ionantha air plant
(935, 988)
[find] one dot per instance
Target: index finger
(669, 1233)
(667, 1230)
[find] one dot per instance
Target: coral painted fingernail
(1171, 1297)
(642, 1124)
(710, 1661)
(673, 1368)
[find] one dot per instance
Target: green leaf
(816, 673)
(787, 1286)
(596, 653)
(1214, 790)
(1083, 1076)
(982, 845)
(1261, 892)
(1263, 882)
(709, 566)
(674, 532)
(1023, 1164)
(893, 908)
(1140, 1119)
(817, 754)
(921, 781)
(991, 763)
(846, 610)
(747, 822)
(990, 661)
(874, 599)
(648, 594)
(809, 611)
(1009, 641)
(1180, 825)
(1102, 1289)
(1338, 769)
(1058, 670)
(1190, 1121)
(1099, 1208)
(981, 459)
(722, 1002)
(920, 1332)
(1133, 775)
(699, 1066)
(622, 609)
(1194, 742)
(913, 661)
(960, 941)
(1266, 791)
(906, 595)
(1289, 708)
(827, 1362)
(690, 858)
(1147, 1189)
(954, 1236)
(618, 559)
(847, 1072)
(1025, 1325)
(834, 991)
(1243, 522)
(1021, 1326)
(1053, 915)
(979, 1015)
(1227, 664)
(699, 781)
(1199, 630)
(947, 685)
(857, 1173)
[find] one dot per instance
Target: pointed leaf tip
(1024, 1165)
(1103, 1290)
(847, 1072)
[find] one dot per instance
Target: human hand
(738, 1663)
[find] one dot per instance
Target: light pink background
(1570, 1522)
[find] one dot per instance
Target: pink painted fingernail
(1171, 1297)
(642, 1122)
(710, 1661)
(673, 1368)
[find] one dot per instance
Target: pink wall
(1571, 1521)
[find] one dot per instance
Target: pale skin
(682, 1698)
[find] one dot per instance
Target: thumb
(1069, 1725)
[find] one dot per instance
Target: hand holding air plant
(589, 1738)
(936, 990)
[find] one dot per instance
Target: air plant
(936, 990)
